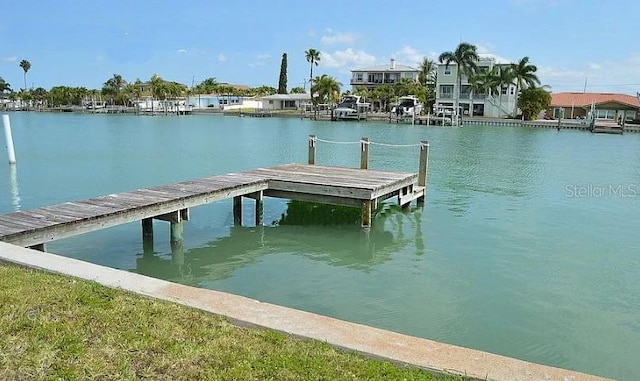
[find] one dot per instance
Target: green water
(528, 244)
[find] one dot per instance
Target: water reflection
(346, 246)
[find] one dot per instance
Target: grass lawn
(54, 327)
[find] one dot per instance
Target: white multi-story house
(372, 77)
(497, 105)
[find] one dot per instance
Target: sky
(84, 43)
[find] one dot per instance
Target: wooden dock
(356, 187)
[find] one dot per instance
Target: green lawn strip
(56, 327)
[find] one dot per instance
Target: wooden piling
(237, 210)
(364, 153)
(424, 167)
(147, 235)
(259, 208)
(312, 149)
(366, 214)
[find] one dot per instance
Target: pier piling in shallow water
(9, 139)
(423, 169)
(364, 153)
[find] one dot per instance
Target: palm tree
(327, 88)
(485, 82)
(25, 65)
(504, 78)
(114, 86)
(428, 72)
(465, 57)
(523, 76)
(4, 86)
(313, 57)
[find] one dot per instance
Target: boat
(351, 107)
(408, 106)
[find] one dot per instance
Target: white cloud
(409, 56)
(261, 60)
(338, 38)
(222, 57)
(616, 76)
(10, 59)
(182, 50)
(487, 51)
(346, 60)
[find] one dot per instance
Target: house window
(446, 91)
(447, 70)
(270, 101)
(504, 90)
(289, 104)
(359, 77)
(513, 91)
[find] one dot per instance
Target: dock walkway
(306, 182)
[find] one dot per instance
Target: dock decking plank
(339, 185)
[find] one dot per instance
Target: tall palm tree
(523, 76)
(25, 65)
(486, 82)
(504, 78)
(465, 57)
(313, 57)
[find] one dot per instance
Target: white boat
(351, 107)
(408, 106)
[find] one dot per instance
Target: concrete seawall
(399, 348)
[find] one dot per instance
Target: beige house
(606, 106)
(285, 101)
(372, 77)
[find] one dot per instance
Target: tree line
(323, 88)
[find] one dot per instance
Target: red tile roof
(585, 99)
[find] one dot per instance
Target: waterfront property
(619, 108)
(285, 101)
(376, 76)
(472, 103)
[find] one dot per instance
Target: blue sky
(83, 43)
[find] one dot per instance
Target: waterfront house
(606, 106)
(285, 101)
(472, 103)
(375, 76)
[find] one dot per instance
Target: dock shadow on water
(343, 244)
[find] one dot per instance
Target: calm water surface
(528, 245)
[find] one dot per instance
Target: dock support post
(237, 210)
(424, 167)
(312, 150)
(364, 153)
(176, 231)
(39, 247)
(147, 235)
(7, 134)
(366, 214)
(259, 208)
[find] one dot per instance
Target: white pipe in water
(7, 134)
